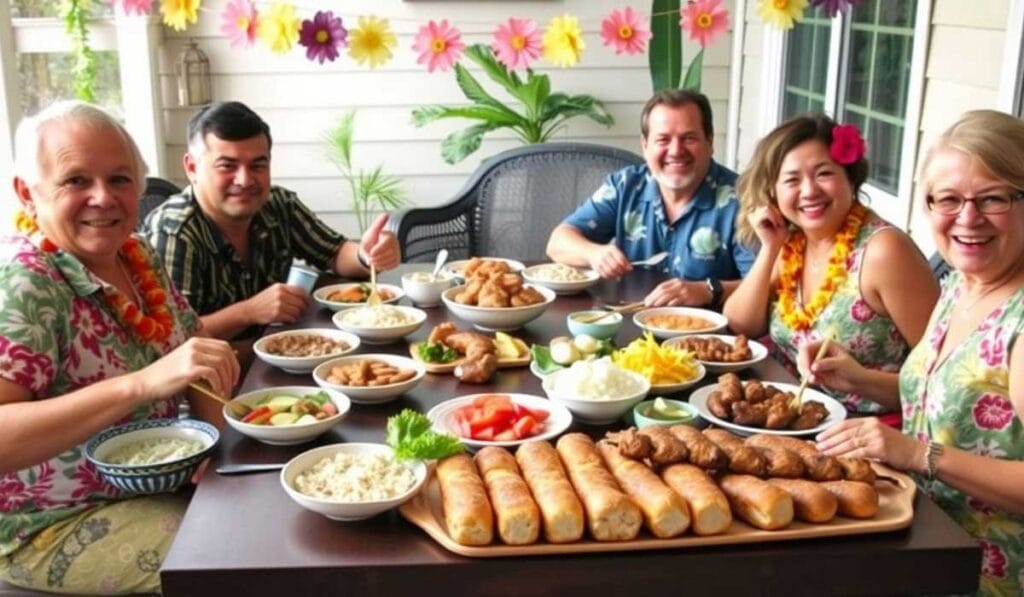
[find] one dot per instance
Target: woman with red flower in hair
(92, 334)
(962, 388)
(828, 266)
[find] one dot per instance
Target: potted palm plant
(538, 116)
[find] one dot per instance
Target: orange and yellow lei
(801, 318)
(154, 321)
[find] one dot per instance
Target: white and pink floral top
(57, 335)
(963, 401)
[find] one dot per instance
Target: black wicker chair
(511, 203)
(157, 191)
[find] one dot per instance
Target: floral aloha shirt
(870, 337)
(56, 336)
(964, 401)
(628, 209)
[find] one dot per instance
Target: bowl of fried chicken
(495, 298)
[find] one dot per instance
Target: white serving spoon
(653, 259)
(442, 256)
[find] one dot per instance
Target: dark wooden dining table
(242, 535)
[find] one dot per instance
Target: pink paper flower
(625, 31)
(992, 411)
(847, 145)
(834, 7)
(439, 45)
(704, 20)
(322, 36)
(238, 23)
(138, 7)
(517, 43)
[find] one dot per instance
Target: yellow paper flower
(371, 41)
(782, 14)
(179, 13)
(563, 43)
(279, 27)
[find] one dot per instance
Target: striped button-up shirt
(204, 265)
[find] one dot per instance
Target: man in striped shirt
(229, 238)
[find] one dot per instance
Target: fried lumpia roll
(516, 513)
(709, 508)
(819, 467)
(611, 514)
(743, 459)
(811, 501)
(560, 509)
(467, 512)
(782, 463)
(665, 447)
(757, 502)
(856, 499)
(703, 452)
(665, 512)
(857, 469)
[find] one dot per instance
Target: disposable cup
(302, 277)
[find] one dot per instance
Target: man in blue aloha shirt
(681, 201)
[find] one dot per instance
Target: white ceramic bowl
(371, 394)
(716, 321)
(497, 318)
(454, 268)
(320, 295)
(836, 411)
(337, 510)
(381, 335)
(559, 419)
(302, 365)
(287, 435)
(426, 293)
(758, 351)
(596, 412)
(534, 275)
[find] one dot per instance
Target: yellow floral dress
(964, 401)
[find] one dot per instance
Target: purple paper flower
(834, 7)
(322, 36)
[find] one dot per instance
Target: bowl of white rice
(380, 324)
(563, 279)
(597, 392)
(351, 481)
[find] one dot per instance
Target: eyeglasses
(996, 203)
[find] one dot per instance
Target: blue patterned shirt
(701, 242)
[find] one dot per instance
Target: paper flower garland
(439, 45)
(179, 13)
(322, 35)
(625, 32)
(517, 43)
(563, 44)
(704, 20)
(782, 14)
(239, 23)
(371, 42)
(279, 27)
(138, 7)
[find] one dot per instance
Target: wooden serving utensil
(238, 408)
(796, 402)
(626, 307)
(373, 299)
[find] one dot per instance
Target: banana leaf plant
(665, 53)
(540, 112)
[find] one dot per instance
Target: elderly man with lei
(962, 388)
(92, 334)
(828, 265)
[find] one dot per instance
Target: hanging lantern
(193, 72)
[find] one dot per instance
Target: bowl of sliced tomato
(500, 419)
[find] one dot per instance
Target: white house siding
(750, 97)
(963, 73)
(301, 99)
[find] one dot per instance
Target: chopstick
(796, 402)
(239, 409)
(626, 308)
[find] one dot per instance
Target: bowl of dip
(666, 412)
(351, 481)
(151, 456)
(563, 279)
(424, 288)
(584, 322)
(380, 324)
(597, 392)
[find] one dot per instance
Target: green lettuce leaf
(410, 435)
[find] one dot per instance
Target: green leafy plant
(369, 189)
(665, 53)
(542, 112)
(76, 25)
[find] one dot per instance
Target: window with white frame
(860, 67)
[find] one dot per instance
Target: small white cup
(302, 277)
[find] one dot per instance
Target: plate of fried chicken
(753, 407)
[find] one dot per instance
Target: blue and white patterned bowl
(150, 478)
